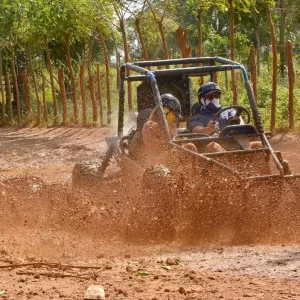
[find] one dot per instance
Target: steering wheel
(238, 108)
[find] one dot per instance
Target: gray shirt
(203, 119)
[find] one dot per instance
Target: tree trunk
(141, 38)
(182, 37)
(232, 52)
(161, 30)
(107, 69)
(45, 106)
(38, 100)
(226, 81)
(93, 99)
(258, 50)
(50, 69)
(15, 82)
(291, 76)
(2, 89)
(199, 17)
(72, 77)
(100, 95)
(92, 82)
(27, 96)
(8, 98)
(117, 61)
(83, 96)
(274, 85)
(61, 81)
(90, 55)
(282, 37)
(126, 52)
(215, 74)
(118, 64)
(163, 39)
(253, 71)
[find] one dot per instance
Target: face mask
(211, 105)
(216, 102)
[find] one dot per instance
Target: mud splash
(50, 220)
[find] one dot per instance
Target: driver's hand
(211, 126)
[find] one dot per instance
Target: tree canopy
(26, 23)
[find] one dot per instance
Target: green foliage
(25, 23)
(216, 43)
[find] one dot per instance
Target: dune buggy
(195, 180)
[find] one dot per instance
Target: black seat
(195, 110)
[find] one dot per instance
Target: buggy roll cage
(139, 67)
(209, 69)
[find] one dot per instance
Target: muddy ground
(56, 242)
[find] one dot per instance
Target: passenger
(152, 132)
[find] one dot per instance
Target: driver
(209, 104)
(203, 114)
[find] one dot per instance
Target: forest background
(60, 59)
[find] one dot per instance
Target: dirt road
(55, 242)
